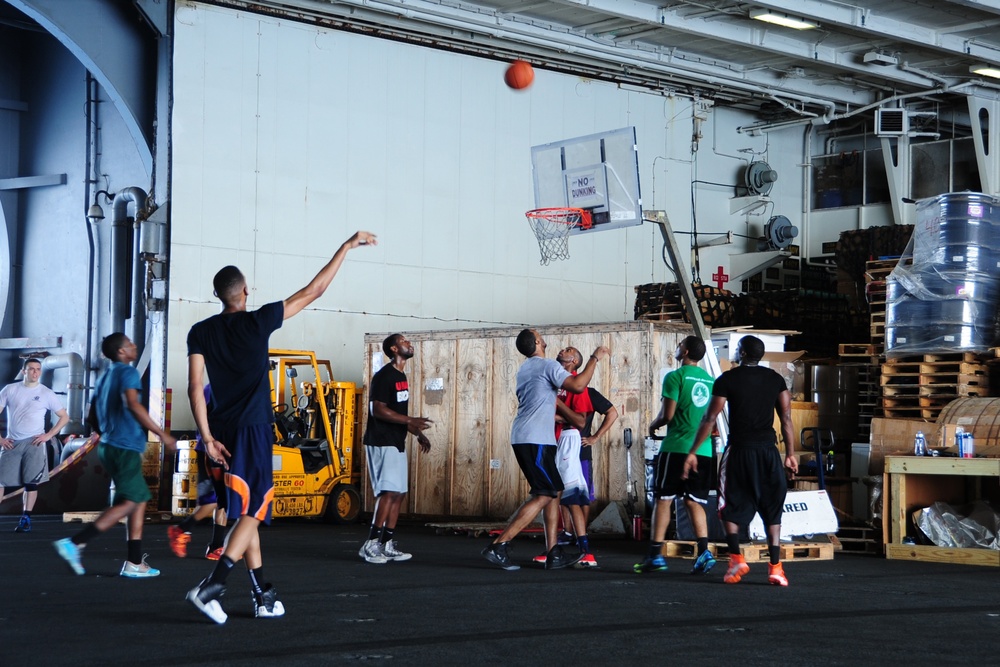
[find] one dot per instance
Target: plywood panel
(434, 389)
(630, 391)
(472, 437)
(506, 486)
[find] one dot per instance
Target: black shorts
(538, 463)
(752, 481)
(667, 483)
(211, 482)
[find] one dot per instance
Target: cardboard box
(726, 340)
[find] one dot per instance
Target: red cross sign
(720, 278)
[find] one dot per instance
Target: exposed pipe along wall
(74, 387)
(126, 265)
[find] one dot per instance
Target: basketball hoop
(552, 227)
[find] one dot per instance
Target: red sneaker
(776, 575)
(178, 541)
(587, 561)
(214, 554)
(540, 559)
(737, 569)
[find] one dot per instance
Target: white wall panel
(288, 138)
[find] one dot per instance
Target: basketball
(519, 75)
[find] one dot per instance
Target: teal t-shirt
(691, 388)
(119, 427)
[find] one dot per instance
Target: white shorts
(568, 461)
(24, 464)
(387, 469)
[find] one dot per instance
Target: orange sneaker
(776, 575)
(178, 541)
(737, 569)
(214, 554)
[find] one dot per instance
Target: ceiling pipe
(653, 65)
(827, 119)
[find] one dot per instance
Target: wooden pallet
(477, 529)
(152, 516)
(966, 357)
(755, 552)
(877, 270)
(856, 349)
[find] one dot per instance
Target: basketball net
(552, 227)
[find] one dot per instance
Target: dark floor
(448, 606)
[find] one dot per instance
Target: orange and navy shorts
(249, 480)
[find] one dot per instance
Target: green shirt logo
(700, 395)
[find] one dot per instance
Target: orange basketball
(519, 75)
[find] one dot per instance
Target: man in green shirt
(686, 395)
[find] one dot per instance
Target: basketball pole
(660, 219)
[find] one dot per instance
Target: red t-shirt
(575, 402)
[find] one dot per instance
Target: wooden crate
(916, 482)
(464, 381)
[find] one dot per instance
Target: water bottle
(919, 444)
(968, 448)
(829, 463)
(960, 441)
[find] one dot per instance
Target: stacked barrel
(944, 297)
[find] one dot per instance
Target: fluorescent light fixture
(983, 69)
(778, 18)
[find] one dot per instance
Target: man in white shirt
(23, 459)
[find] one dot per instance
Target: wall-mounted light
(95, 212)
(983, 69)
(782, 19)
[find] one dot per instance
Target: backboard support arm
(660, 219)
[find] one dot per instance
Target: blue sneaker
(657, 564)
(24, 525)
(141, 571)
(565, 538)
(70, 553)
(704, 563)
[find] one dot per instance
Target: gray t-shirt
(538, 380)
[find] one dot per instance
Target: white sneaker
(267, 605)
(371, 551)
(140, 571)
(390, 551)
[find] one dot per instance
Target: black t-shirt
(389, 386)
(235, 347)
(752, 393)
(601, 406)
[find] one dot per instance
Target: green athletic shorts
(125, 468)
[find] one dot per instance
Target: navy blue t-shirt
(235, 347)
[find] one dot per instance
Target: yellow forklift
(314, 473)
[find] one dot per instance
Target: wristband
(594, 358)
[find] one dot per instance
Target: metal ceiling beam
(464, 26)
(102, 36)
(772, 41)
(984, 5)
(882, 26)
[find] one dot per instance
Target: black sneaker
(267, 604)
(497, 554)
(205, 596)
(557, 559)
(565, 538)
